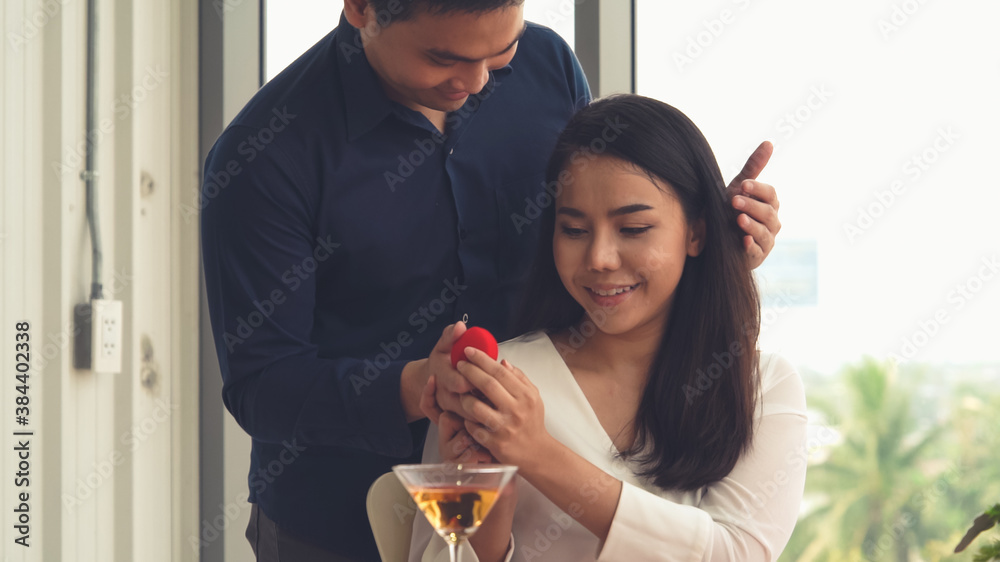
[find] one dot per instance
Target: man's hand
(759, 205)
(449, 382)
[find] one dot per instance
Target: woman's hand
(455, 445)
(510, 422)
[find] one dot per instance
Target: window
(884, 120)
(295, 25)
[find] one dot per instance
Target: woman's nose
(603, 254)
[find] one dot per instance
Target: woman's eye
(635, 230)
(572, 232)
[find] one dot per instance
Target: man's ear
(354, 11)
(696, 238)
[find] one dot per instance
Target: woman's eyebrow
(626, 210)
(629, 209)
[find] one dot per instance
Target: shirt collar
(365, 100)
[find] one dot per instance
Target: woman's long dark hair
(696, 415)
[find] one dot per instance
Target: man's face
(438, 61)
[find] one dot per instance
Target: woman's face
(620, 244)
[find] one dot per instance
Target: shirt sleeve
(748, 515)
(258, 244)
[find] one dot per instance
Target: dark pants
(271, 544)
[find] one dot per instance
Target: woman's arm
(491, 542)
(749, 515)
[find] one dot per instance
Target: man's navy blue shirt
(341, 233)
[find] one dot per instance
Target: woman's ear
(354, 11)
(696, 238)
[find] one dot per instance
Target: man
(385, 184)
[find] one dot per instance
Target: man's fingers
(753, 167)
(449, 401)
(449, 424)
(453, 381)
(760, 211)
(428, 401)
(450, 333)
(758, 242)
(763, 192)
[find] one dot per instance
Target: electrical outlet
(106, 336)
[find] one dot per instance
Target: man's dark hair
(402, 10)
(689, 433)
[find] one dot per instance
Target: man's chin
(447, 106)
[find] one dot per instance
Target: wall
(113, 457)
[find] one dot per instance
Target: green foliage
(912, 461)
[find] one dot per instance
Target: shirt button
(452, 151)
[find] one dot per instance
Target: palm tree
(870, 493)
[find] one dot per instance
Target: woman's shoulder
(533, 353)
(780, 382)
(531, 344)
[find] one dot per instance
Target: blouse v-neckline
(580, 396)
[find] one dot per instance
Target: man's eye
(437, 62)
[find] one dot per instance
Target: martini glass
(455, 498)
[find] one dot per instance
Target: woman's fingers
(497, 382)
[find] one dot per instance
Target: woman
(643, 420)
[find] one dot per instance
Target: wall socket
(99, 340)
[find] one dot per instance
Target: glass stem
(453, 550)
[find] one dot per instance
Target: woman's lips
(607, 296)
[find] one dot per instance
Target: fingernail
(748, 186)
(739, 202)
